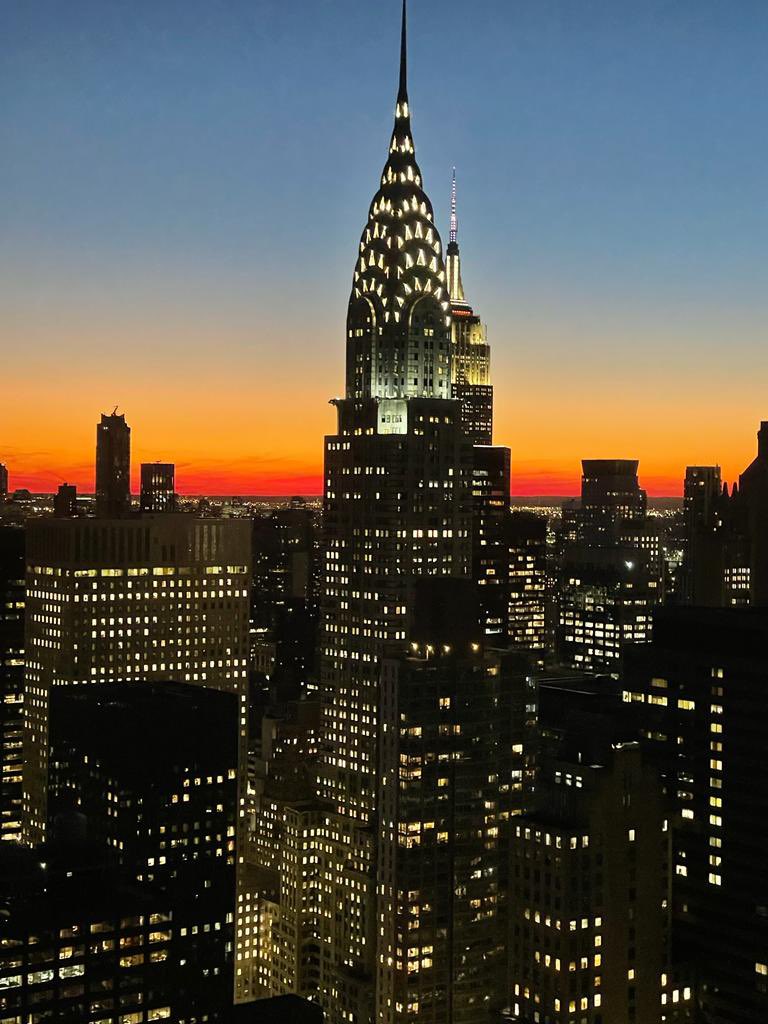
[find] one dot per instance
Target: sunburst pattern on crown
(401, 254)
(399, 310)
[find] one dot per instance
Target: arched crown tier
(400, 260)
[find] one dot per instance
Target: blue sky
(181, 175)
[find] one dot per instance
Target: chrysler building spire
(399, 290)
(402, 94)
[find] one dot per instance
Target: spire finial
(454, 218)
(402, 95)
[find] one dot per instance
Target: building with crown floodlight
(379, 890)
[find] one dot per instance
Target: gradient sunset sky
(184, 185)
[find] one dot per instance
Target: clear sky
(184, 185)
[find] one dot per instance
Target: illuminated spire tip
(454, 218)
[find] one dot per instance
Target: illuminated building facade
(158, 487)
(397, 508)
(526, 545)
(137, 599)
(113, 465)
(12, 598)
(611, 571)
(699, 692)
(336, 886)
(606, 598)
(490, 540)
(471, 353)
(453, 759)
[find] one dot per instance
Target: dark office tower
(278, 1010)
(701, 494)
(284, 600)
(12, 597)
(113, 465)
(526, 534)
(165, 814)
(702, 569)
(588, 939)
(471, 354)
(588, 885)
(700, 691)
(3, 482)
(610, 493)
(79, 943)
(490, 552)
(65, 501)
(158, 487)
(751, 515)
(453, 725)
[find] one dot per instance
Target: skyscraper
(373, 882)
(471, 366)
(12, 595)
(158, 488)
(113, 465)
(397, 507)
(702, 572)
(490, 538)
(526, 546)
(727, 553)
(611, 569)
(167, 816)
(65, 501)
(748, 514)
(3, 482)
(700, 696)
(610, 494)
(136, 599)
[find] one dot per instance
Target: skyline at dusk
(211, 165)
(383, 512)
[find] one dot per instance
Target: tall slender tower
(379, 890)
(471, 353)
(113, 465)
(397, 502)
(398, 511)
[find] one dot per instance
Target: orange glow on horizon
(230, 429)
(308, 482)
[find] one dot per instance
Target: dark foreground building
(587, 939)
(80, 944)
(12, 599)
(700, 692)
(150, 773)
